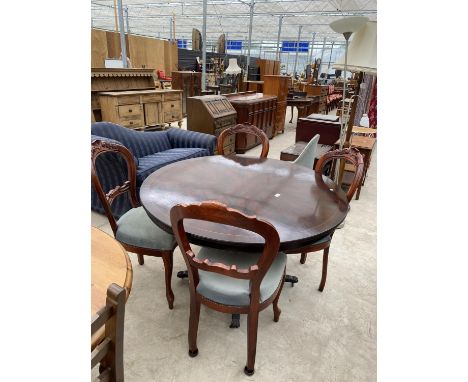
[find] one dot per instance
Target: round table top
(302, 205)
(109, 264)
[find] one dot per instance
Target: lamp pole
(297, 50)
(250, 36)
(203, 79)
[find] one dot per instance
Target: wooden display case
(278, 86)
(189, 83)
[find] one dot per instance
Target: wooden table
(305, 106)
(109, 264)
(301, 204)
(364, 130)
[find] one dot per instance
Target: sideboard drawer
(130, 110)
(131, 122)
(149, 98)
(172, 96)
(128, 100)
(171, 106)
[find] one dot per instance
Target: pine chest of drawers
(140, 109)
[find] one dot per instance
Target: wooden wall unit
(257, 109)
(277, 86)
(143, 52)
(211, 114)
(268, 67)
(189, 82)
(141, 108)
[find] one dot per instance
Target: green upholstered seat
(230, 291)
(307, 157)
(136, 228)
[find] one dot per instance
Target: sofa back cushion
(138, 142)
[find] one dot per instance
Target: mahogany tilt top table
(302, 205)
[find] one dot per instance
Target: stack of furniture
(112, 80)
(278, 86)
(317, 90)
(256, 109)
(141, 109)
(151, 151)
(189, 82)
(333, 97)
(212, 114)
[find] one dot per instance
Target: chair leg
(168, 260)
(303, 257)
(324, 269)
(276, 309)
(252, 328)
(141, 260)
(193, 325)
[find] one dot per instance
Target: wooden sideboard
(257, 109)
(211, 114)
(189, 83)
(141, 109)
(112, 80)
(278, 86)
(307, 128)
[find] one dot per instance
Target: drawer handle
(172, 105)
(129, 110)
(131, 122)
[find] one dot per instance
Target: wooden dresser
(189, 83)
(318, 90)
(140, 109)
(112, 80)
(211, 114)
(278, 86)
(257, 109)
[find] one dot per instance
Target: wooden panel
(152, 116)
(146, 52)
(151, 98)
(113, 44)
(128, 100)
(98, 48)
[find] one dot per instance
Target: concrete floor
(329, 336)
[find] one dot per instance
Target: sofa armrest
(191, 139)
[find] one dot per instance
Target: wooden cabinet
(141, 108)
(318, 90)
(257, 109)
(278, 86)
(211, 114)
(189, 83)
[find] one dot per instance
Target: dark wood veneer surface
(302, 205)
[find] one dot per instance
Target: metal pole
(250, 36)
(203, 80)
(329, 60)
(115, 16)
(297, 50)
(126, 19)
(123, 46)
(311, 48)
(260, 50)
(278, 54)
(170, 28)
(321, 58)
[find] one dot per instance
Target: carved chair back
(351, 155)
(99, 147)
(109, 352)
(248, 129)
(219, 213)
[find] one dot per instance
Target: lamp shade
(233, 68)
(362, 51)
(348, 24)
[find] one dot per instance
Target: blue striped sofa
(151, 150)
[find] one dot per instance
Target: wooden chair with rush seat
(109, 352)
(352, 156)
(231, 281)
(248, 129)
(134, 230)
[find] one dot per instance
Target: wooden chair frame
(248, 129)
(99, 147)
(219, 213)
(353, 156)
(109, 352)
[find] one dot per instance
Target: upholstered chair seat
(230, 291)
(136, 228)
